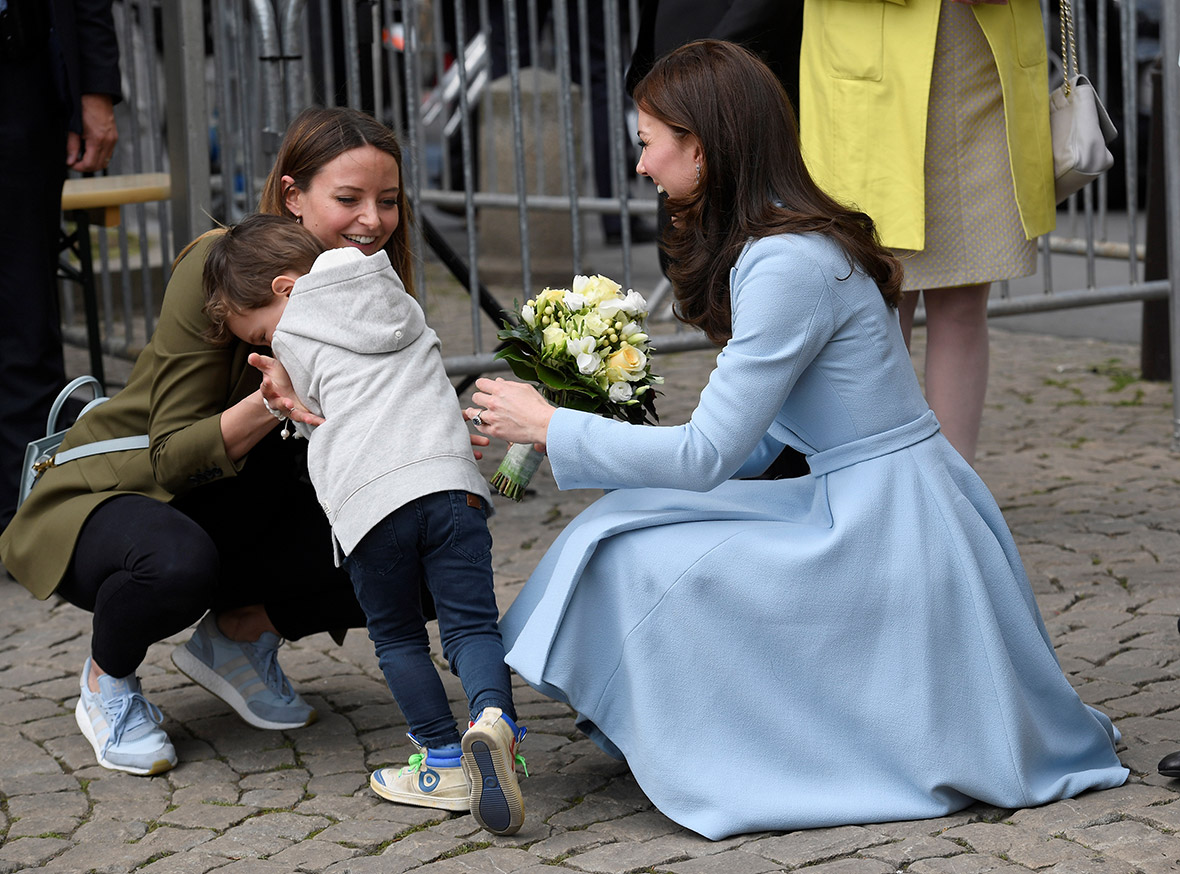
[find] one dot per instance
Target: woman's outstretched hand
(277, 389)
(511, 411)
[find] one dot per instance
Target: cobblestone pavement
(1077, 452)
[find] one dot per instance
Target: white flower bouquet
(585, 348)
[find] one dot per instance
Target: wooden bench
(97, 200)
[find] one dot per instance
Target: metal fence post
(187, 118)
(1170, 33)
(1155, 360)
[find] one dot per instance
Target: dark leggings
(148, 570)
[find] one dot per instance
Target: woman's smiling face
(669, 160)
(352, 201)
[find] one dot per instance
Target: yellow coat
(176, 393)
(864, 93)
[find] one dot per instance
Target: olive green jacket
(177, 391)
(864, 91)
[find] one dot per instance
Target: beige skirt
(973, 229)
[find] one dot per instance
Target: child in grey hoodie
(394, 471)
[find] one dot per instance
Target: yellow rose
(594, 324)
(554, 336)
(595, 289)
(549, 296)
(629, 361)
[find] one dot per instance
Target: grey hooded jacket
(360, 354)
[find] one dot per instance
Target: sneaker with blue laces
(489, 760)
(432, 778)
(122, 726)
(244, 675)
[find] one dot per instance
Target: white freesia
(582, 351)
(528, 315)
(634, 304)
(573, 302)
(619, 392)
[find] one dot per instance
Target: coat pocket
(1030, 32)
(853, 38)
(1015, 27)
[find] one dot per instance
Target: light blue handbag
(42, 454)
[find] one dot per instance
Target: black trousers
(148, 570)
(32, 170)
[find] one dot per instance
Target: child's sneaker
(489, 760)
(433, 778)
(123, 726)
(244, 675)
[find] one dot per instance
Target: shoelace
(415, 763)
(126, 713)
(272, 674)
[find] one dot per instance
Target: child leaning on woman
(394, 471)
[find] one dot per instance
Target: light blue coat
(854, 646)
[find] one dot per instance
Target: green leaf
(522, 369)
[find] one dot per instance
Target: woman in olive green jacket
(932, 117)
(149, 540)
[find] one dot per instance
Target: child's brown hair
(243, 262)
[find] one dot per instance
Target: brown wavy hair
(319, 135)
(243, 261)
(753, 182)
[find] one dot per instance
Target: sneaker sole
(439, 803)
(159, 766)
(496, 802)
(208, 679)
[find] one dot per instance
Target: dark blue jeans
(443, 539)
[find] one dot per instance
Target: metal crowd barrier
(211, 86)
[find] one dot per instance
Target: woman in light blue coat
(853, 646)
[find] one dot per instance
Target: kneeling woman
(854, 646)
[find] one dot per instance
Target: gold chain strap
(1069, 52)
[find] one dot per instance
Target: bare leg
(905, 310)
(240, 624)
(245, 624)
(957, 362)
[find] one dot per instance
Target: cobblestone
(1079, 459)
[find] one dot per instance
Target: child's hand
(476, 439)
(276, 388)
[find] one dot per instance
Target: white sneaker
(431, 779)
(490, 760)
(123, 726)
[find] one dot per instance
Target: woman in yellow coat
(932, 117)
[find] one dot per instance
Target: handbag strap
(1069, 50)
(63, 396)
(115, 444)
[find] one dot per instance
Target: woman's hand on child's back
(276, 388)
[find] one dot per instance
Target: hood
(353, 301)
